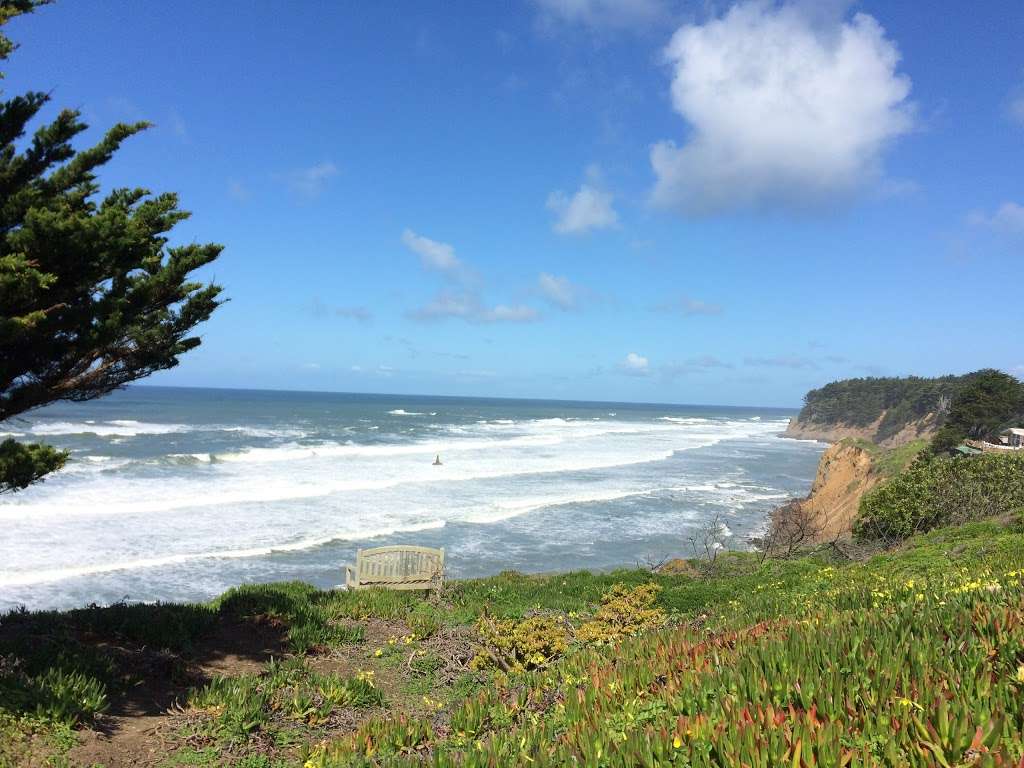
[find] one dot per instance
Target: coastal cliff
(889, 412)
(877, 427)
(845, 473)
(915, 429)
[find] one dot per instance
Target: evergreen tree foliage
(91, 296)
(895, 401)
(991, 402)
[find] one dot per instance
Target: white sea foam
(403, 412)
(258, 431)
(503, 510)
(536, 447)
(124, 514)
(189, 458)
(116, 427)
(58, 574)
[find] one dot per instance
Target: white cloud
(320, 310)
(380, 370)
(609, 14)
(447, 304)
(178, 124)
(310, 182)
(238, 190)
(517, 313)
(693, 365)
(1008, 217)
(588, 209)
(464, 301)
(1017, 109)
(795, 362)
(433, 254)
(362, 314)
(688, 307)
(635, 365)
(786, 110)
(558, 290)
(467, 306)
(1015, 106)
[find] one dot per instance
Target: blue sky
(591, 199)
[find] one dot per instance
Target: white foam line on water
(508, 509)
(502, 510)
(133, 428)
(259, 495)
(61, 574)
(239, 491)
(113, 428)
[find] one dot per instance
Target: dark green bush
(943, 491)
(312, 616)
(54, 695)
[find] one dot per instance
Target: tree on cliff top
(989, 403)
(91, 297)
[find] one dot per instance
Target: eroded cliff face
(845, 473)
(833, 433)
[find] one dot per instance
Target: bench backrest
(399, 567)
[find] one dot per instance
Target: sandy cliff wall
(845, 473)
(833, 433)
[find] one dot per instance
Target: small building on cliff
(1012, 438)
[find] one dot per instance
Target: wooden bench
(396, 568)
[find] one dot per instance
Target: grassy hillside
(912, 658)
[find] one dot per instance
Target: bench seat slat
(397, 567)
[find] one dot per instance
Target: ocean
(179, 494)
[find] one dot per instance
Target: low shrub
(424, 620)
(515, 646)
(312, 616)
(54, 695)
(239, 706)
(48, 675)
(623, 613)
(940, 492)
(373, 742)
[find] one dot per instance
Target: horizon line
(459, 397)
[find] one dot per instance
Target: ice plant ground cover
(914, 657)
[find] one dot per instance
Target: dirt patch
(147, 721)
(137, 728)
